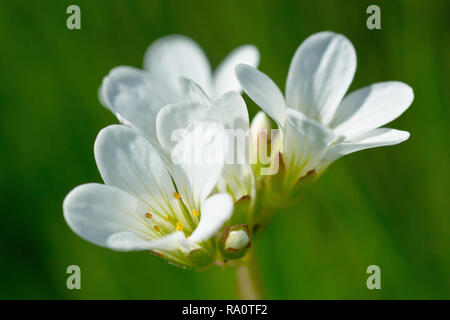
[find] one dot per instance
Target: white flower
(229, 110)
(136, 96)
(320, 124)
(142, 205)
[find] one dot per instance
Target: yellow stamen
(176, 195)
(148, 215)
(156, 227)
(195, 213)
(168, 218)
(179, 226)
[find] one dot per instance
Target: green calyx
(200, 258)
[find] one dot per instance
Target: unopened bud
(261, 121)
(235, 241)
(261, 141)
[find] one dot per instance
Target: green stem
(249, 280)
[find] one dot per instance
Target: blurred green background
(387, 206)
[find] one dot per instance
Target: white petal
(305, 142)
(128, 161)
(135, 98)
(224, 77)
(101, 98)
(128, 241)
(320, 73)
(371, 107)
(237, 240)
(198, 160)
(230, 110)
(95, 212)
(175, 56)
(192, 91)
(173, 120)
(261, 89)
(375, 138)
(238, 180)
(215, 212)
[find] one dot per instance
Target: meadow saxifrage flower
(320, 124)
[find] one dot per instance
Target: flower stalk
(249, 279)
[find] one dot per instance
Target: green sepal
(200, 258)
(242, 209)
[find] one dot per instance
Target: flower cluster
(196, 213)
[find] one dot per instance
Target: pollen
(148, 215)
(168, 218)
(179, 226)
(157, 228)
(195, 213)
(176, 195)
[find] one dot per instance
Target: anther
(156, 227)
(195, 213)
(148, 215)
(176, 195)
(179, 226)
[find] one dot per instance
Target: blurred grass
(387, 206)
